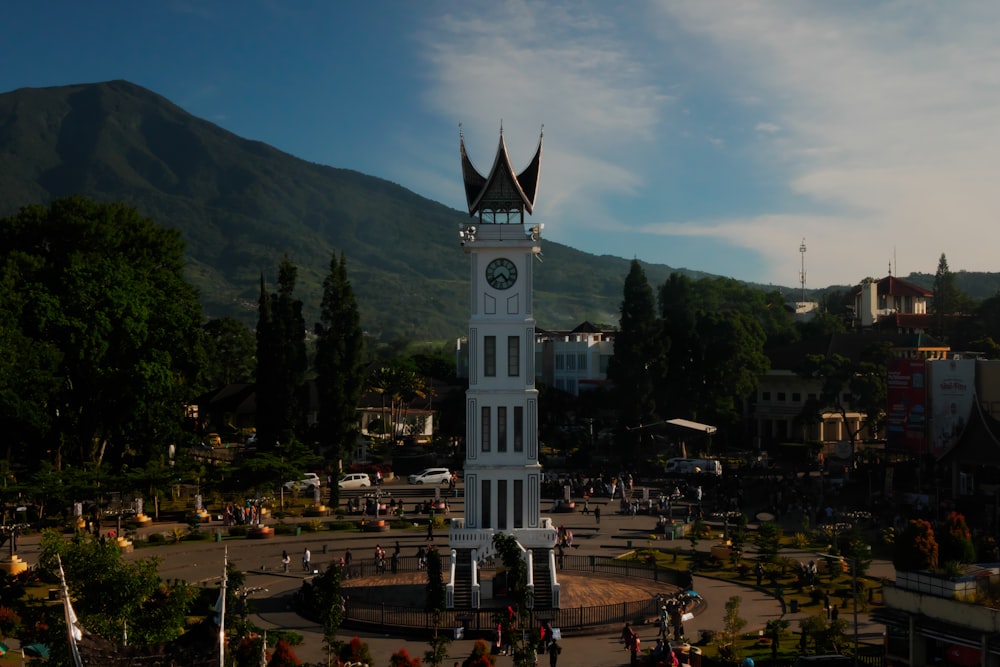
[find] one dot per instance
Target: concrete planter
(956, 588)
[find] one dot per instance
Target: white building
(502, 472)
(571, 361)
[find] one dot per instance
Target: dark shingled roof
(980, 441)
(502, 190)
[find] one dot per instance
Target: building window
(581, 362)
(518, 503)
(518, 429)
(501, 428)
(490, 356)
(605, 360)
(486, 428)
(571, 362)
(781, 397)
(765, 396)
(485, 507)
(560, 362)
(502, 504)
(513, 356)
(796, 397)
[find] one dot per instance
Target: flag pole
(222, 609)
(72, 629)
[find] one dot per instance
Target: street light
(854, 591)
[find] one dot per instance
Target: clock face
(501, 273)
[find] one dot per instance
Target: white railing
(449, 588)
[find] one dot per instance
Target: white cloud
(881, 133)
(888, 114)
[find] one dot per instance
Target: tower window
(518, 428)
(490, 356)
(486, 428)
(513, 356)
(519, 503)
(501, 428)
(486, 506)
(502, 504)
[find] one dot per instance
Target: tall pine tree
(339, 363)
(281, 360)
(638, 353)
(946, 299)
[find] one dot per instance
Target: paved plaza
(202, 562)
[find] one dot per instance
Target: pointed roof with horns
(502, 190)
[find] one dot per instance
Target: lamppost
(852, 562)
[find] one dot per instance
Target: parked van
(678, 466)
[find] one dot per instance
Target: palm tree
(398, 385)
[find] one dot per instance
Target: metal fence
(369, 615)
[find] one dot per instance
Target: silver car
(431, 476)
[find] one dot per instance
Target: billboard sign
(952, 386)
(906, 413)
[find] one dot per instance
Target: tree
(95, 301)
(339, 364)
(480, 656)
(512, 625)
(769, 540)
(327, 602)
(639, 351)
(732, 624)
(851, 386)
(283, 656)
(108, 592)
(946, 299)
(230, 351)
(401, 658)
(916, 548)
(398, 384)
(435, 601)
(281, 360)
(955, 540)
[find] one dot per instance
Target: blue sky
(701, 134)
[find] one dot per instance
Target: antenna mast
(802, 273)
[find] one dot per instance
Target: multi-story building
(892, 304)
(783, 393)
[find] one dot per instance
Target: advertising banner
(906, 413)
(952, 390)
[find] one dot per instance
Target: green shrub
(238, 531)
(313, 526)
(284, 529)
(156, 538)
(341, 525)
(196, 536)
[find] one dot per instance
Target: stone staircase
(463, 579)
(543, 579)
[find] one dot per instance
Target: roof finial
(501, 127)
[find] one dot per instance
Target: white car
(355, 480)
(431, 476)
(309, 481)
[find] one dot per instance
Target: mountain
(242, 204)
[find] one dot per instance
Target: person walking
(597, 515)
(554, 650)
(285, 560)
(306, 558)
(430, 530)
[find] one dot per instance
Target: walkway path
(201, 562)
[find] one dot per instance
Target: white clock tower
(502, 472)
